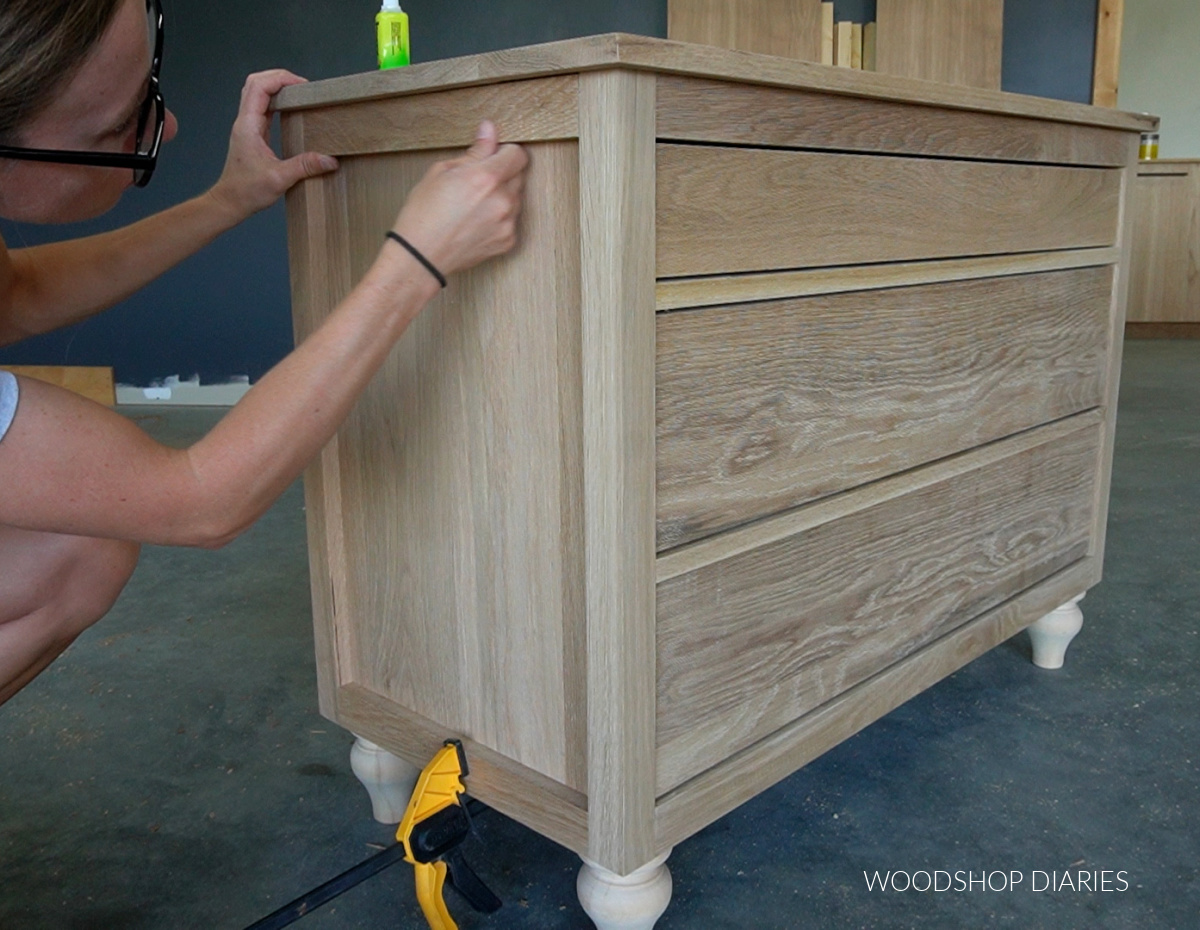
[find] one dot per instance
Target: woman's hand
(254, 176)
(465, 210)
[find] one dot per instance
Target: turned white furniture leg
(389, 780)
(630, 902)
(1053, 633)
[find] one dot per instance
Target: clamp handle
(435, 824)
(430, 879)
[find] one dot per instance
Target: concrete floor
(172, 771)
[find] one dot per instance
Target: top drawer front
(699, 110)
(727, 210)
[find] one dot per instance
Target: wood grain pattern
(699, 802)
(952, 41)
(687, 293)
(1110, 17)
(616, 176)
(1165, 265)
(843, 44)
(538, 110)
(782, 526)
(666, 57)
(905, 209)
(483, 527)
(1118, 308)
(692, 109)
(790, 28)
(458, 469)
(763, 407)
(318, 254)
(827, 29)
(93, 382)
(752, 643)
(516, 791)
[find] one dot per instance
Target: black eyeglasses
(151, 119)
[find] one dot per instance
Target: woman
(80, 486)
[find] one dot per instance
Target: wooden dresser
(1164, 289)
(797, 395)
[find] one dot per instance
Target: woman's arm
(71, 466)
(55, 285)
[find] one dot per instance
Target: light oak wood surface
(539, 110)
(686, 293)
(93, 382)
(763, 407)
(702, 800)
(751, 643)
(790, 28)
(827, 30)
(843, 40)
(951, 41)
(320, 277)
(698, 110)
(1106, 72)
(1165, 266)
(456, 567)
(1118, 309)
(616, 172)
(662, 56)
(847, 343)
(539, 802)
(905, 209)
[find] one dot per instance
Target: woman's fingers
(464, 211)
(254, 176)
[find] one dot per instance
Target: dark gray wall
(857, 11)
(1049, 47)
(225, 312)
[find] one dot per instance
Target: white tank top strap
(8, 400)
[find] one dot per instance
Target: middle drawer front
(763, 407)
(725, 210)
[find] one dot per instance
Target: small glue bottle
(391, 32)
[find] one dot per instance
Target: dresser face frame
(797, 395)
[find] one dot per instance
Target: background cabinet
(1164, 292)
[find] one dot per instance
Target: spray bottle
(391, 30)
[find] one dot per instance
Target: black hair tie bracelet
(441, 278)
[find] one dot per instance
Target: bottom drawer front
(754, 641)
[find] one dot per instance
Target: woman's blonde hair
(42, 42)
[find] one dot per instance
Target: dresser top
(619, 50)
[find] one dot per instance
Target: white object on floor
(1052, 634)
(185, 393)
(389, 780)
(630, 902)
